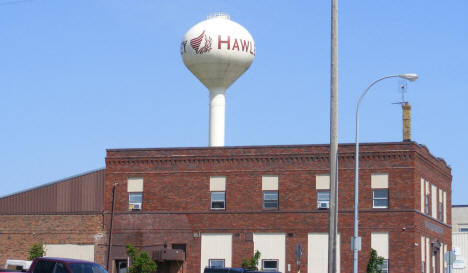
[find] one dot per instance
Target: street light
(356, 241)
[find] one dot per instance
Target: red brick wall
(19, 232)
(176, 199)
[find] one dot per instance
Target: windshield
(86, 268)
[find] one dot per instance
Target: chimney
(406, 121)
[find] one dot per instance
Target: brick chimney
(406, 121)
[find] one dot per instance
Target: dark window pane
(381, 203)
(270, 265)
(217, 200)
(216, 263)
(135, 197)
(270, 195)
(44, 267)
(217, 196)
(323, 196)
(217, 205)
(268, 204)
(380, 193)
(60, 268)
(86, 268)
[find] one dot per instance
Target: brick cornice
(281, 160)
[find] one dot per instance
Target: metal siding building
(77, 194)
(460, 236)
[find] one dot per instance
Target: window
(86, 268)
(121, 266)
(216, 262)
(134, 200)
(426, 204)
(463, 229)
(60, 268)
(385, 266)
(270, 265)
(380, 198)
(44, 266)
(218, 200)
(441, 211)
(323, 199)
(270, 199)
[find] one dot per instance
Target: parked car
(232, 270)
(62, 265)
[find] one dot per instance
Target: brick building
(194, 207)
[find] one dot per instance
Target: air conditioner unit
(323, 204)
(136, 206)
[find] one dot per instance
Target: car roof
(65, 260)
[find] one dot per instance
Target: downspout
(110, 228)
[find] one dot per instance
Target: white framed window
(323, 199)
(269, 265)
(218, 200)
(270, 199)
(426, 204)
(216, 263)
(441, 211)
(463, 229)
(385, 266)
(135, 200)
(380, 198)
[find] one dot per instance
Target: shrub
(36, 251)
(141, 261)
(251, 263)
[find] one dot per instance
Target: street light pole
(356, 241)
(333, 210)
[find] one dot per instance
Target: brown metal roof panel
(83, 193)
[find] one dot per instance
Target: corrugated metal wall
(460, 240)
(82, 193)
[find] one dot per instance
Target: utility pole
(333, 210)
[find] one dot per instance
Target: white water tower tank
(217, 51)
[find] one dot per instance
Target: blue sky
(77, 77)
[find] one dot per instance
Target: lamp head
(410, 77)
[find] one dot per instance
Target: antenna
(402, 88)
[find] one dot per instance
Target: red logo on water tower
(201, 44)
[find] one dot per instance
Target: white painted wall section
(428, 256)
(215, 246)
(272, 246)
(379, 181)
(217, 183)
(72, 251)
(322, 181)
(460, 244)
(317, 254)
(379, 242)
(423, 249)
(135, 184)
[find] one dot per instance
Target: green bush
(251, 263)
(375, 262)
(141, 261)
(36, 251)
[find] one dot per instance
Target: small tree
(251, 263)
(141, 261)
(375, 262)
(36, 251)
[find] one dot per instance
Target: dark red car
(62, 265)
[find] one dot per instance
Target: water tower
(217, 51)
